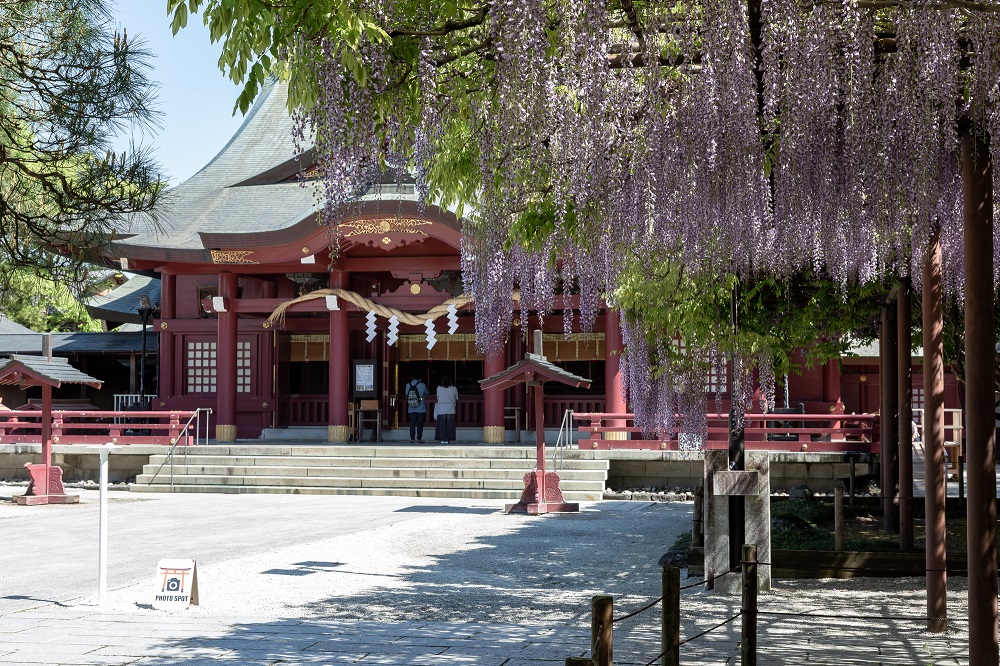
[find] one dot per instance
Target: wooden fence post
(579, 661)
(748, 644)
(697, 518)
(671, 636)
(601, 634)
(838, 518)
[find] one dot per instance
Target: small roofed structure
(120, 304)
(541, 492)
(10, 327)
(45, 485)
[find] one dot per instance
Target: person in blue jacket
(416, 408)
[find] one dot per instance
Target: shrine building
(241, 237)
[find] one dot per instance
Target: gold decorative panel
(307, 348)
(579, 347)
(458, 347)
(232, 257)
(392, 225)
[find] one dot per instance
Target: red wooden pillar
(168, 310)
(614, 400)
(44, 489)
(904, 387)
(831, 382)
(519, 394)
(338, 429)
(934, 489)
(889, 420)
(225, 360)
(493, 422)
(980, 438)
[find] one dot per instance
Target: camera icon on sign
(173, 584)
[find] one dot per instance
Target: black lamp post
(145, 310)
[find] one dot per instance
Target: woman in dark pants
(444, 412)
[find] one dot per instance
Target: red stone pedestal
(542, 494)
(45, 487)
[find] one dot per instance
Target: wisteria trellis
(825, 135)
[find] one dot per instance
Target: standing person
(444, 412)
(416, 409)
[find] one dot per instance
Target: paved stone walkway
(335, 580)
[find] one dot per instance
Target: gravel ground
(452, 564)
(273, 566)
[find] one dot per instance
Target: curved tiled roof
(119, 304)
(39, 371)
(213, 200)
(247, 196)
(65, 344)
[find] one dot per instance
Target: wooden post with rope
(748, 642)
(838, 518)
(671, 628)
(601, 632)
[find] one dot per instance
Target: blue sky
(194, 98)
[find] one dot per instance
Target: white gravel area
(312, 579)
(447, 563)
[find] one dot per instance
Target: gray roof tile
(11, 327)
(243, 190)
(541, 362)
(119, 305)
(209, 201)
(63, 344)
(54, 370)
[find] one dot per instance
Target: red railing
(306, 410)
(555, 406)
(468, 411)
(99, 427)
(764, 432)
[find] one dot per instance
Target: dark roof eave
(532, 368)
(31, 371)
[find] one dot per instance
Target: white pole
(102, 552)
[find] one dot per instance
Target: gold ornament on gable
(232, 257)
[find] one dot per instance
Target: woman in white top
(444, 412)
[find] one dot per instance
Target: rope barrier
(705, 581)
(691, 638)
(654, 659)
(278, 316)
(634, 613)
(685, 587)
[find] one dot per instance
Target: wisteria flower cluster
(741, 140)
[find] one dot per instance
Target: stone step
(484, 472)
(359, 461)
(372, 451)
(359, 472)
(470, 494)
(360, 482)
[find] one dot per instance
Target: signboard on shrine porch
(364, 385)
(176, 585)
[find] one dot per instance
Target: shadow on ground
(512, 599)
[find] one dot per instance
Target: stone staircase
(467, 472)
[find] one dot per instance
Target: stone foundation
(78, 463)
(818, 471)
(338, 433)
